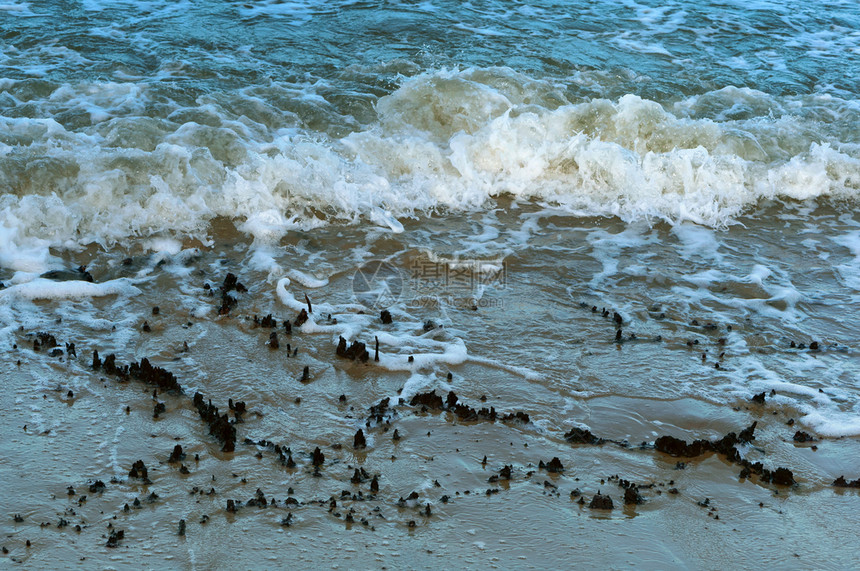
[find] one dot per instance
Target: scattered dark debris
(402, 502)
(727, 447)
(78, 274)
(432, 401)
(301, 318)
(115, 538)
(631, 493)
(582, 436)
(138, 470)
(554, 466)
(219, 425)
(841, 482)
(177, 455)
(259, 500)
(601, 502)
(356, 351)
(504, 474)
(359, 441)
(228, 301)
(96, 487)
(679, 448)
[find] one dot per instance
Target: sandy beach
(69, 428)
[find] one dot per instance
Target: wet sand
(85, 425)
(714, 520)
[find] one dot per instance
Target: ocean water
(495, 174)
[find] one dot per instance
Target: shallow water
(513, 170)
(528, 346)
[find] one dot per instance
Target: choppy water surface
(694, 168)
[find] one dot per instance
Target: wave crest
(442, 140)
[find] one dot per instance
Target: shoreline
(89, 436)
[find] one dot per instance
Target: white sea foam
(167, 246)
(41, 288)
(850, 271)
(401, 349)
(297, 11)
(641, 47)
(21, 8)
(443, 140)
(307, 280)
(831, 423)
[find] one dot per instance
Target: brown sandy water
(530, 347)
